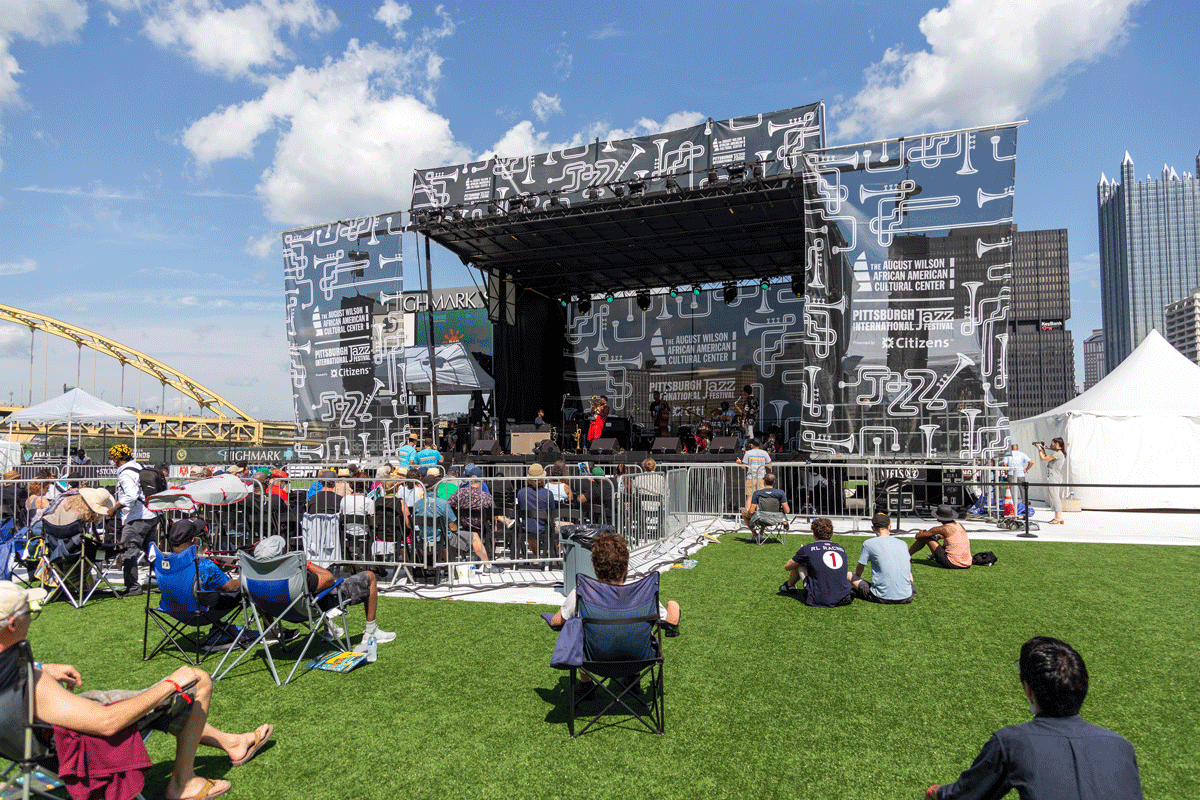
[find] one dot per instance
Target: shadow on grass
(615, 716)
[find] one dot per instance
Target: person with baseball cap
(58, 705)
(138, 523)
(955, 553)
(891, 568)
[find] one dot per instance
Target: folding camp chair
(622, 642)
(68, 564)
(182, 605)
(431, 534)
(322, 536)
(276, 589)
(770, 522)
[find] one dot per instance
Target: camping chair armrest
(336, 584)
(549, 616)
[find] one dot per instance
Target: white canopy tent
(1139, 425)
(74, 407)
(457, 370)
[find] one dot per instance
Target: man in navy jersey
(820, 567)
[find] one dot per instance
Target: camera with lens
(1039, 444)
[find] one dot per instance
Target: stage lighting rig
(713, 176)
(798, 285)
(643, 300)
(672, 185)
(593, 193)
(674, 291)
(358, 255)
(757, 171)
(696, 289)
(456, 214)
(422, 218)
(764, 284)
(729, 293)
(583, 303)
(618, 190)
(555, 200)
(493, 208)
(564, 302)
(608, 298)
(637, 188)
(531, 203)
(737, 172)
(516, 203)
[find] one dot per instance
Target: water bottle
(372, 648)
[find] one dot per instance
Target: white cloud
(235, 41)
(42, 21)
(264, 247)
(524, 139)
(394, 15)
(648, 127)
(112, 20)
(348, 134)
(563, 61)
(14, 341)
(609, 31)
(987, 61)
(519, 140)
(544, 105)
(18, 267)
(97, 191)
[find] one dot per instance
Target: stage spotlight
(798, 285)
(493, 208)
(562, 301)
(531, 203)
(729, 292)
(422, 218)
(618, 190)
(756, 169)
(696, 289)
(713, 177)
(674, 291)
(359, 255)
(672, 185)
(593, 193)
(764, 284)
(555, 200)
(516, 203)
(608, 298)
(643, 300)
(637, 188)
(737, 172)
(456, 214)
(583, 303)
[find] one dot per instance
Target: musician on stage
(600, 410)
(660, 415)
(748, 407)
(726, 418)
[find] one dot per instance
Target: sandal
(1056, 522)
(206, 792)
(261, 737)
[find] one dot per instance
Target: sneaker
(492, 569)
(132, 591)
(784, 588)
(334, 630)
(219, 639)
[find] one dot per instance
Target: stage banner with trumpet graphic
(896, 348)
(342, 293)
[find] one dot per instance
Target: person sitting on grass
(956, 554)
(1058, 753)
(57, 705)
(361, 587)
(891, 570)
(752, 516)
(610, 560)
(820, 568)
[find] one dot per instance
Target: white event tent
(74, 407)
(1139, 425)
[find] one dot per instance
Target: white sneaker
(381, 637)
(334, 630)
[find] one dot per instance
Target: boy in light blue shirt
(891, 568)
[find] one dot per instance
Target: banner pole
(432, 359)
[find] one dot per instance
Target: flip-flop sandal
(260, 739)
(1055, 522)
(206, 792)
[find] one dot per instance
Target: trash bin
(576, 541)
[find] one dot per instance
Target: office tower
(1041, 351)
(1093, 359)
(1149, 252)
(1182, 325)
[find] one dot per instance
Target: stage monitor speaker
(486, 447)
(522, 443)
(666, 444)
(723, 444)
(603, 447)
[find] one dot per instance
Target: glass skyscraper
(1149, 252)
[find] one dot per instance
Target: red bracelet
(178, 689)
(933, 791)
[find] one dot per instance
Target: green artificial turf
(765, 697)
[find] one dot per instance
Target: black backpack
(151, 481)
(984, 559)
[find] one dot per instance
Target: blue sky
(150, 152)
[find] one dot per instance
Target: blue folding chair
(276, 589)
(622, 641)
(182, 605)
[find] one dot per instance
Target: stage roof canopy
(718, 202)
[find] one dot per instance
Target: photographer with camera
(1056, 470)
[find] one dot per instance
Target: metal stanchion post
(1025, 491)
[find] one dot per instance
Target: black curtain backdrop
(530, 355)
